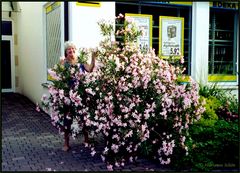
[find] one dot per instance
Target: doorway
(7, 65)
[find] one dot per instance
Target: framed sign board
(171, 36)
(143, 22)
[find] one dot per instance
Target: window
(6, 28)
(222, 45)
(157, 9)
(53, 34)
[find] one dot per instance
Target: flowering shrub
(132, 98)
(138, 99)
(66, 100)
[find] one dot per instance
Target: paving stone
(25, 168)
(31, 143)
(126, 170)
(18, 158)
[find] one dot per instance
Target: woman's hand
(94, 53)
(62, 59)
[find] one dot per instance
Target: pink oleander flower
(110, 167)
(93, 152)
(37, 108)
(53, 74)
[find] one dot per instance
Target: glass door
(7, 66)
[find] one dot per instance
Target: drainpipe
(10, 12)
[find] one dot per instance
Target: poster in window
(171, 36)
(143, 22)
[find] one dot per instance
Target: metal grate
(53, 36)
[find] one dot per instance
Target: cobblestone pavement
(31, 143)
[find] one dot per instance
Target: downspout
(10, 12)
(66, 21)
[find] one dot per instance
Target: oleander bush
(133, 99)
(139, 100)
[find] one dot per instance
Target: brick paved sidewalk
(31, 143)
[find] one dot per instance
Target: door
(7, 65)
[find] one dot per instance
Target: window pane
(221, 43)
(53, 36)
(6, 28)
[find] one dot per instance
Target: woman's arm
(89, 67)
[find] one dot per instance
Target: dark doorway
(6, 64)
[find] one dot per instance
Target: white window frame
(45, 34)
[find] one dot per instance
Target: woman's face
(70, 52)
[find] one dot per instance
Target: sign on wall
(143, 22)
(214, 4)
(89, 3)
(171, 36)
(224, 5)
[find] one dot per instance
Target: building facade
(33, 35)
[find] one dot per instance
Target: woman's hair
(68, 44)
